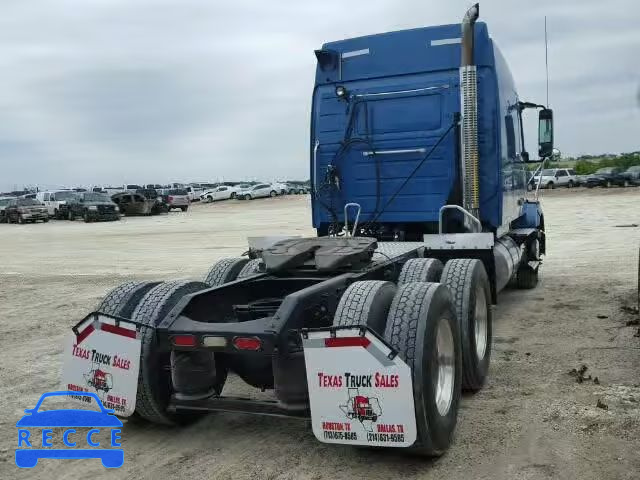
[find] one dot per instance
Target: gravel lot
(532, 421)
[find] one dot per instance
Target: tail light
(170, 198)
(184, 341)
(347, 342)
(247, 343)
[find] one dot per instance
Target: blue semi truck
(419, 199)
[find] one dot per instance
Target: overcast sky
(114, 91)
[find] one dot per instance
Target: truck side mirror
(545, 132)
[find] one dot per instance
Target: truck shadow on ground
(226, 436)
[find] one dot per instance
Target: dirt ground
(531, 421)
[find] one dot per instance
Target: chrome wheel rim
(445, 353)
(481, 322)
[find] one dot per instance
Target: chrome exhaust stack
(469, 113)
(467, 34)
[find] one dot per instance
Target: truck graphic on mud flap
(362, 409)
(99, 379)
(359, 407)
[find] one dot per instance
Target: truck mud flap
(102, 355)
(360, 391)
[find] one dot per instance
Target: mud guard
(102, 355)
(360, 390)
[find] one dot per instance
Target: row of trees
(587, 166)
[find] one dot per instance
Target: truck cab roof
(425, 49)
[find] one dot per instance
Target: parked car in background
(607, 177)
(4, 202)
(257, 191)
(113, 190)
(222, 192)
(23, 210)
(176, 198)
(134, 203)
(297, 189)
(152, 194)
(92, 206)
(193, 193)
(633, 174)
(281, 188)
(56, 202)
(582, 180)
(132, 187)
(556, 177)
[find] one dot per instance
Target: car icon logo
(69, 420)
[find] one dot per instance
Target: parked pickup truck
(92, 206)
(23, 210)
(57, 202)
(556, 177)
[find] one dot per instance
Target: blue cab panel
(402, 98)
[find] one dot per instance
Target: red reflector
(125, 332)
(183, 340)
(247, 343)
(85, 333)
(347, 342)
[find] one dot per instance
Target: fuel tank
(507, 256)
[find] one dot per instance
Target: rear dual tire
(421, 270)
(365, 303)
(417, 320)
(225, 271)
(155, 385)
(422, 328)
(470, 290)
(122, 300)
